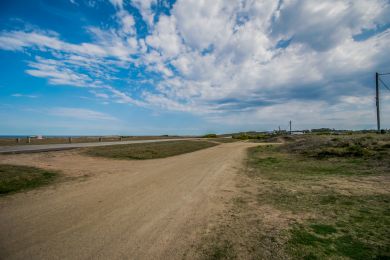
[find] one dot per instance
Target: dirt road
(153, 209)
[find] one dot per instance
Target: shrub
(210, 136)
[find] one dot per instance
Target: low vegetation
(210, 136)
(148, 150)
(15, 178)
(77, 139)
(224, 140)
(261, 137)
(315, 197)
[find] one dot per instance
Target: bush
(245, 136)
(210, 136)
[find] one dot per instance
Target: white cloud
(324, 25)
(24, 95)
(100, 94)
(219, 58)
(57, 73)
(117, 3)
(145, 8)
(80, 113)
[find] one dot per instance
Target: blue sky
(190, 67)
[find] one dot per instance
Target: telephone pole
(378, 119)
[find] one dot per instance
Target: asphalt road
(58, 147)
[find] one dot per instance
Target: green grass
(295, 178)
(221, 250)
(210, 136)
(325, 197)
(15, 178)
(148, 150)
(224, 140)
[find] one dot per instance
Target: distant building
(297, 132)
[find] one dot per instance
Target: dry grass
(84, 139)
(294, 202)
(223, 140)
(148, 150)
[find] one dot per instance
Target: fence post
(100, 139)
(28, 140)
(70, 140)
(18, 140)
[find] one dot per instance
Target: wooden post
(18, 140)
(100, 139)
(70, 140)
(28, 139)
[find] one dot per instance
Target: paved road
(57, 147)
(125, 209)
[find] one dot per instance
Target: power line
(378, 119)
(384, 84)
(377, 80)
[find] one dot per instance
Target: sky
(141, 67)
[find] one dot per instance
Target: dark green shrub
(210, 136)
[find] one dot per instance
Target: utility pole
(378, 120)
(290, 127)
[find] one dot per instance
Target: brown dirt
(154, 209)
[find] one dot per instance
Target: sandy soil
(154, 209)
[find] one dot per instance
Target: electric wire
(384, 84)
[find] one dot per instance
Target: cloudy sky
(191, 66)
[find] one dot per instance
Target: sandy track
(152, 209)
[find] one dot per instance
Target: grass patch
(148, 150)
(294, 179)
(15, 178)
(366, 146)
(210, 136)
(279, 164)
(81, 139)
(224, 140)
(323, 229)
(324, 197)
(221, 250)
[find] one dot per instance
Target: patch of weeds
(14, 178)
(337, 220)
(323, 229)
(220, 250)
(358, 230)
(268, 161)
(349, 151)
(239, 202)
(278, 165)
(352, 248)
(303, 237)
(148, 150)
(328, 199)
(306, 245)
